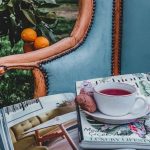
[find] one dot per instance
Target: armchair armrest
(27, 66)
(31, 61)
(39, 82)
(39, 55)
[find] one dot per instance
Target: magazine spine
(79, 123)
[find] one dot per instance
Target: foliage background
(18, 85)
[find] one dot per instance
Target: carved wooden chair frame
(33, 60)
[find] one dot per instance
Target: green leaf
(43, 10)
(45, 1)
(52, 36)
(29, 15)
(67, 1)
(27, 1)
(2, 8)
(49, 5)
(50, 1)
(46, 31)
(11, 3)
(51, 15)
(13, 20)
(53, 25)
(12, 31)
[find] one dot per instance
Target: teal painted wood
(135, 52)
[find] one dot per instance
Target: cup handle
(145, 105)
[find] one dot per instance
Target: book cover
(47, 122)
(96, 134)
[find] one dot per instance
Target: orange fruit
(41, 42)
(28, 47)
(28, 35)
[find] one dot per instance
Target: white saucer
(99, 116)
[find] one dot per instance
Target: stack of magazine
(55, 122)
(134, 132)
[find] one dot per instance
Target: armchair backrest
(135, 51)
(91, 57)
(104, 51)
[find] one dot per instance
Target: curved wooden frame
(116, 40)
(32, 60)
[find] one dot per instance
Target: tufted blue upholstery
(135, 55)
(92, 59)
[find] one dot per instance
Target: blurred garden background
(53, 19)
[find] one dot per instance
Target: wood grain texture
(39, 83)
(116, 40)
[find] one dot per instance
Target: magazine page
(48, 123)
(134, 133)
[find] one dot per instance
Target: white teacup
(117, 99)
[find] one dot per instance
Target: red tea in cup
(117, 92)
(117, 99)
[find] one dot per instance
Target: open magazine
(44, 123)
(98, 132)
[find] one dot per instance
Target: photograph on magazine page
(47, 123)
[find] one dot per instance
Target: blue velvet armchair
(109, 37)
